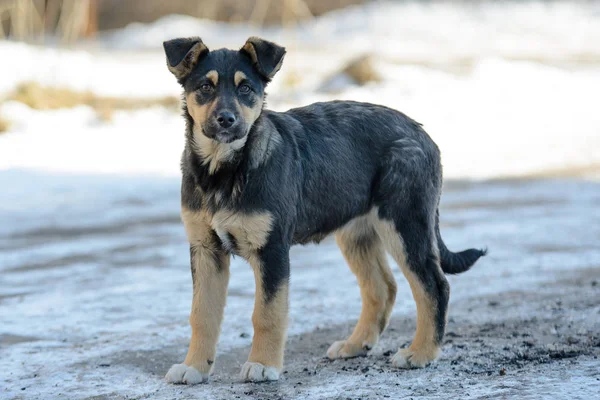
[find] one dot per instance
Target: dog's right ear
(183, 54)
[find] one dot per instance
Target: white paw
(181, 373)
(406, 358)
(339, 349)
(256, 372)
(334, 350)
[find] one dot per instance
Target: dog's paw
(256, 372)
(407, 358)
(343, 349)
(183, 374)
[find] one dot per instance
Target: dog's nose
(226, 119)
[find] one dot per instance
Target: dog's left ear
(266, 56)
(183, 54)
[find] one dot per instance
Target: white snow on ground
(149, 141)
(93, 259)
(94, 266)
(511, 89)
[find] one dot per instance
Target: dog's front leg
(271, 272)
(210, 276)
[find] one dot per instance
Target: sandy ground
(94, 306)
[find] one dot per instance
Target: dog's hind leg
(411, 242)
(364, 252)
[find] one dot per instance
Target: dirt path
(94, 305)
(533, 345)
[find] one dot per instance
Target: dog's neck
(221, 171)
(212, 153)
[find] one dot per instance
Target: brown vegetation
(113, 14)
(361, 70)
(358, 71)
(32, 19)
(72, 19)
(4, 125)
(51, 98)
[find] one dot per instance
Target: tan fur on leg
(423, 348)
(210, 293)
(210, 267)
(363, 250)
(270, 326)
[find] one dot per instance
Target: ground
(95, 285)
(95, 306)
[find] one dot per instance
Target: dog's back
(346, 152)
(255, 182)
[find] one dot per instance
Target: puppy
(255, 182)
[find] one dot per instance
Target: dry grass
(114, 14)
(52, 98)
(362, 71)
(359, 71)
(4, 125)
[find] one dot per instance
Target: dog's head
(224, 89)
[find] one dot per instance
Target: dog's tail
(455, 263)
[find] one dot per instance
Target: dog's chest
(242, 233)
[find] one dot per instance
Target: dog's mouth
(227, 137)
(223, 135)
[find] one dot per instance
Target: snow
(513, 93)
(94, 266)
(148, 141)
(93, 258)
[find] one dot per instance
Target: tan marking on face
(424, 344)
(250, 231)
(213, 76)
(364, 252)
(269, 320)
(250, 114)
(211, 277)
(198, 112)
(212, 152)
(239, 77)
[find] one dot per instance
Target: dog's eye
(206, 88)
(244, 89)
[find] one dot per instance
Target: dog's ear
(266, 56)
(183, 54)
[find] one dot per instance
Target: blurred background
(94, 275)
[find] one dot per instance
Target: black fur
(325, 164)
(177, 49)
(268, 56)
(183, 55)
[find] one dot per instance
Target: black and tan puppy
(255, 182)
